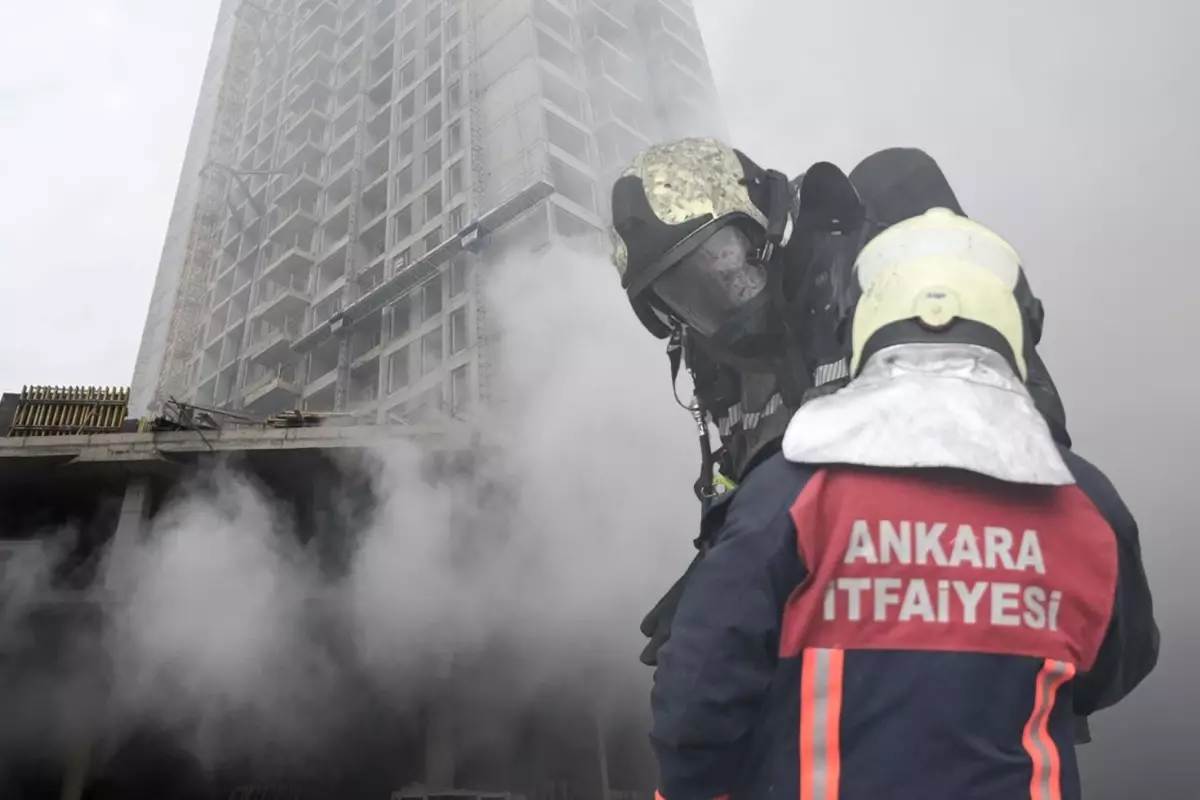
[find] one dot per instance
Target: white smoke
(209, 629)
(54, 697)
(578, 516)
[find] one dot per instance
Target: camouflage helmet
(669, 200)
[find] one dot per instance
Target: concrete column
(602, 750)
(75, 778)
(132, 524)
(341, 388)
(385, 367)
(439, 743)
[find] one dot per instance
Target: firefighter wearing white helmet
(920, 542)
(938, 270)
(934, 297)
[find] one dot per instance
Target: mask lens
(709, 285)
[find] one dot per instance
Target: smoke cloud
(541, 558)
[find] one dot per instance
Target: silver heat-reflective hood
(931, 405)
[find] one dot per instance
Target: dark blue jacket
(860, 634)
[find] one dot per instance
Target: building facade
(358, 167)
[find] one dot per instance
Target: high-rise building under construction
(355, 166)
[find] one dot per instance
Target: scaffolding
(69, 410)
(186, 326)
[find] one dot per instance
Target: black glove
(1083, 731)
(657, 624)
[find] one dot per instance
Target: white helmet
(939, 277)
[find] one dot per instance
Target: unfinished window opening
(458, 330)
(408, 44)
(364, 340)
(382, 64)
(404, 145)
(528, 233)
(569, 225)
(433, 20)
(433, 238)
(433, 52)
(348, 66)
(371, 278)
(327, 277)
(453, 25)
(460, 273)
(433, 86)
(322, 311)
(431, 351)
(398, 370)
(562, 94)
(433, 160)
(404, 183)
(460, 389)
(422, 408)
(553, 18)
(686, 58)
(573, 184)
(408, 74)
(401, 317)
(354, 8)
(343, 125)
(433, 122)
(403, 223)
(433, 202)
(567, 137)
(454, 137)
(555, 52)
(431, 299)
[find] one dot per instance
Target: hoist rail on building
(69, 410)
(426, 267)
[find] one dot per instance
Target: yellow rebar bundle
(69, 410)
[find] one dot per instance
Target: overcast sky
(1070, 125)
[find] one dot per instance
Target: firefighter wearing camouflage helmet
(701, 239)
(704, 242)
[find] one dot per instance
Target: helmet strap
(680, 353)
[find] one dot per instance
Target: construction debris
(298, 418)
(180, 416)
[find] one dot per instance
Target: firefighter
(703, 240)
(913, 597)
(899, 182)
(713, 261)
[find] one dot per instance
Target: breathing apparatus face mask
(719, 290)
